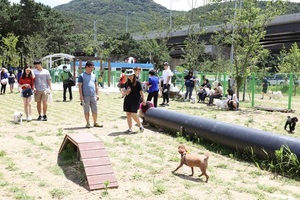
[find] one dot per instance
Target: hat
(37, 62)
(89, 63)
(64, 66)
(166, 63)
(129, 72)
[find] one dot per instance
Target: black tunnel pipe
(233, 136)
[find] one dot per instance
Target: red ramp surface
(94, 157)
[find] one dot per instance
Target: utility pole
(95, 36)
(171, 13)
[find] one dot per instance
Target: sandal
(98, 125)
(128, 131)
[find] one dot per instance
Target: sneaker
(88, 126)
(29, 119)
(45, 118)
(162, 104)
(128, 131)
(167, 104)
(39, 118)
(64, 100)
(141, 129)
(98, 125)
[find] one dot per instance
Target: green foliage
(10, 48)
(248, 23)
(69, 153)
(290, 60)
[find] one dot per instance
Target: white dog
(209, 92)
(18, 117)
(221, 104)
(275, 95)
(193, 99)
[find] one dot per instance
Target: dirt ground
(142, 162)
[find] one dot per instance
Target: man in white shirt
(167, 76)
(42, 83)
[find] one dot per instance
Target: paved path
(59, 86)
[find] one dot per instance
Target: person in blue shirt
(88, 94)
(153, 87)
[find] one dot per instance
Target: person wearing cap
(65, 75)
(89, 94)
(133, 93)
(43, 87)
(153, 87)
(167, 75)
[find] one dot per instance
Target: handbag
(27, 92)
(71, 81)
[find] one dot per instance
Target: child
(144, 106)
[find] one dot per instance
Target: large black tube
(233, 136)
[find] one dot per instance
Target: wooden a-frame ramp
(93, 155)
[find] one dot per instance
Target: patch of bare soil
(142, 162)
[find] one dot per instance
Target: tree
(248, 23)
(35, 46)
(290, 61)
(10, 50)
(193, 51)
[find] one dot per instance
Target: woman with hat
(133, 93)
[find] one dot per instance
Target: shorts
(90, 102)
(41, 96)
(264, 90)
(130, 108)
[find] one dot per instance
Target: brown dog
(193, 161)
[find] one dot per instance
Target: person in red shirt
(26, 82)
(122, 81)
(144, 106)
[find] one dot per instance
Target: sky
(183, 5)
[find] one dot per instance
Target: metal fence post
(290, 91)
(252, 85)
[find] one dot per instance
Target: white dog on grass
(18, 117)
(221, 104)
(275, 95)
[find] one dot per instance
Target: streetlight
(127, 13)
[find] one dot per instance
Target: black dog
(291, 122)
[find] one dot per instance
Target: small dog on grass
(291, 121)
(18, 117)
(275, 95)
(221, 104)
(192, 161)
